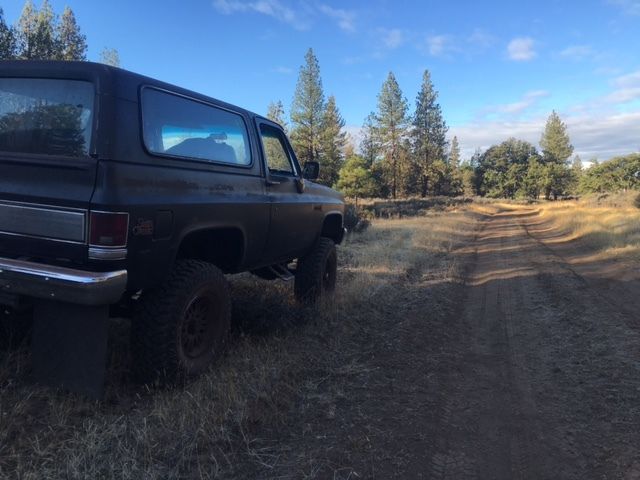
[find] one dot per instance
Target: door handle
(271, 183)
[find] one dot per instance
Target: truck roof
(108, 79)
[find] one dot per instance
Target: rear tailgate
(48, 159)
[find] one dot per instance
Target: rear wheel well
(223, 247)
(332, 227)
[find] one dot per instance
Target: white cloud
(629, 80)
(440, 45)
(623, 95)
(481, 39)
(300, 18)
(521, 49)
(392, 38)
(601, 136)
(528, 100)
(577, 52)
(345, 18)
(283, 70)
(630, 7)
(271, 8)
(627, 89)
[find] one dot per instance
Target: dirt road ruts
(548, 379)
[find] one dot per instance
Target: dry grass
(260, 412)
(609, 224)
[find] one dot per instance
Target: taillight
(107, 229)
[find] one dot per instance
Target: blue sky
(500, 67)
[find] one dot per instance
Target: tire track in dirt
(547, 384)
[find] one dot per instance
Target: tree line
(400, 154)
(409, 154)
(41, 34)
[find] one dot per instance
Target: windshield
(46, 116)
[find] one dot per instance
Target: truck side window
(275, 151)
(182, 127)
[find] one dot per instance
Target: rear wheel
(316, 273)
(181, 327)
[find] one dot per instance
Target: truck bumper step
(49, 282)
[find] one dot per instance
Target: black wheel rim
(199, 325)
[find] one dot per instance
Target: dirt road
(547, 384)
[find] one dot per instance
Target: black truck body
(112, 179)
(175, 205)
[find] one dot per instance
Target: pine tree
(370, 144)
(454, 154)
(45, 38)
(391, 126)
(26, 31)
(275, 112)
(576, 173)
(429, 135)
(356, 180)
(332, 142)
(556, 149)
(576, 165)
(110, 56)
(7, 39)
(36, 33)
(555, 143)
(72, 45)
(307, 110)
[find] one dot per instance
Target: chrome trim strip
(49, 239)
(44, 206)
(54, 223)
(103, 253)
(60, 283)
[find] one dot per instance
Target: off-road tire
(181, 327)
(316, 273)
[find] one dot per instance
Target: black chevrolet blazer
(117, 189)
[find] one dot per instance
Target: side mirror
(311, 170)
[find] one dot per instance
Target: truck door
(293, 226)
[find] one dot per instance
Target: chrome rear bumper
(31, 279)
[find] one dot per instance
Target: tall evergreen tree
(391, 126)
(72, 44)
(7, 39)
(275, 112)
(26, 31)
(555, 143)
(454, 153)
(576, 173)
(45, 47)
(429, 134)
(36, 33)
(307, 110)
(332, 142)
(110, 56)
(556, 149)
(370, 144)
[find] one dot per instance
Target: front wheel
(316, 273)
(182, 326)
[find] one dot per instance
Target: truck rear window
(181, 127)
(46, 116)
